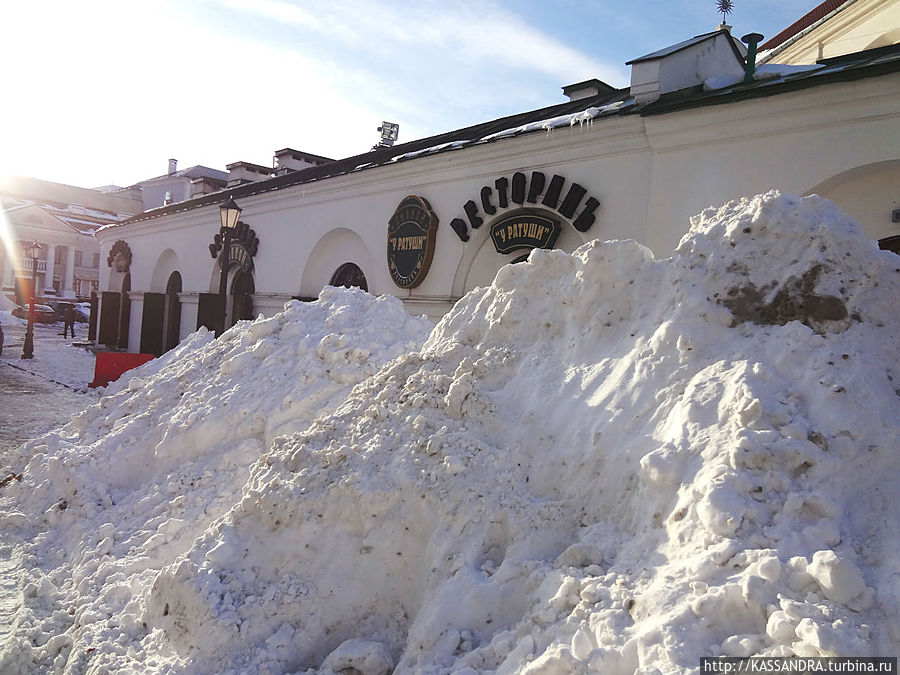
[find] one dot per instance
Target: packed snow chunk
(124, 490)
(603, 462)
(840, 579)
(362, 656)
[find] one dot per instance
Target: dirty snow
(603, 462)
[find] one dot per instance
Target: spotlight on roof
(389, 133)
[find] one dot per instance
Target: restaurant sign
(412, 232)
(524, 231)
(532, 190)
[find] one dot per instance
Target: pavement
(41, 394)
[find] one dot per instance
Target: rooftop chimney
(587, 89)
(751, 40)
(173, 166)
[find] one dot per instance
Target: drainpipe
(751, 40)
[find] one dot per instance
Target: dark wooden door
(125, 313)
(109, 318)
(208, 311)
(152, 323)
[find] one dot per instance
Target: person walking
(69, 321)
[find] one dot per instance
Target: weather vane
(724, 6)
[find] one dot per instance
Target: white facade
(650, 171)
(853, 26)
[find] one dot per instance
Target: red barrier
(110, 366)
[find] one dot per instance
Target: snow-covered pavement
(41, 393)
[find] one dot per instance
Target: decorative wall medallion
(119, 257)
(412, 231)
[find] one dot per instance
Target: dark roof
(869, 63)
(684, 45)
(594, 83)
(300, 154)
(250, 165)
(203, 172)
(816, 14)
(197, 171)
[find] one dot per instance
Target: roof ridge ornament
(726, 7)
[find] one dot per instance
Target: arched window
(347, 275)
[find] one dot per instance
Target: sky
(104, 92)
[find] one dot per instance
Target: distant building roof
(812, 17)
(191, 172)
(249, 165)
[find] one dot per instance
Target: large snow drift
(602, 462)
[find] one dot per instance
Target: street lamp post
(32, 250)
(229, 212)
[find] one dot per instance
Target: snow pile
(603, 462)
(117, 494)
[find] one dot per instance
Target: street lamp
(33, 249)
(229, 212)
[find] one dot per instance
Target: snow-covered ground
(602, 462)
(39, 394)
(55, 358)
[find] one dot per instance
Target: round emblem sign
(410, 245)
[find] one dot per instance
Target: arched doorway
(349, 275)
(172, 314)
(242, 289)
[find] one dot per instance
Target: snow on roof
(768, 72)
(672, 49)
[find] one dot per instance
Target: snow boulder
(602, 462)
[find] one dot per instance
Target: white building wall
(793, 143)
(651, 174)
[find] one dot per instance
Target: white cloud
(104, 91)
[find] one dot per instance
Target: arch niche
(340, 258)
(867, 194)
(161, 312)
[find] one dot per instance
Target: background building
(63, 219)
(835, 28)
